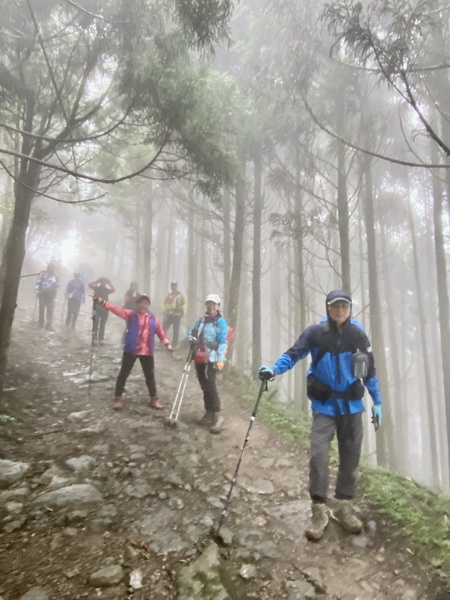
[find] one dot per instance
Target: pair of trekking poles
(173, 418)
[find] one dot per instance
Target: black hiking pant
(349, 433)
(148, 366)
(46, 309)
(206, 375)
(173, 320)
(73, 308)
(99, 323)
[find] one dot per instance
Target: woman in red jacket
(139, 343)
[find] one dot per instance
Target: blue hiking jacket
(212, 331)
(331, 366)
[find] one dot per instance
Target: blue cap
(338, 296)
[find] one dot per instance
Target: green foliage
(205, 20)
(420, 513)
(119, 79)
(389, 33)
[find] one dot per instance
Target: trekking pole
(91, 358)
(263, 388)
(173, 417)
(63, 311)
(34, 309)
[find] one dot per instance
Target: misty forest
(268, 152)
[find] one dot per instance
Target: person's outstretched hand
(265, 373)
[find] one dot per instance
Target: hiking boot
(207, 418)
(319, 520)
(217, 422)
(118, 403)
(155, 403)
(342, 511)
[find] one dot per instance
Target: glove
(170, 348)
(98, 300)
(265, 373)
(219, 365)
(192, 339)
(376, 413)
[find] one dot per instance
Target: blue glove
(376, 412)
(265, 373)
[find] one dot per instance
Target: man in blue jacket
(335, 388)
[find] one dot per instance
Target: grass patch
(419, 513)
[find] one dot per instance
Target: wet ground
(103, 496)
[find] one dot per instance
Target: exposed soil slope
(149, 493)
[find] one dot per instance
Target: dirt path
(147, 494)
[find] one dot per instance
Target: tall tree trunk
(442, 290)
(226, 248)
(432, 409)
(147, 235)
(398, 414)
(256, 287)
(343, 220)
(192, 282)
(300, 309)
(137, 266)
(27, 173)
(13, 257)
(238, 245)
(385, 437)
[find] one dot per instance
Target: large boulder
(78, 493)
(11, 471)
(201, 579)
(107, 576)
(36, 593)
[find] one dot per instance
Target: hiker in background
(102, 288)
(129, 302)
(47, 284)
(86, 272)
(131, 295)
(75, 295)
(209, 334)
(335, 388)
(173, 307)
(139, 343)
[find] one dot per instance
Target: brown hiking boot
(319, 520)
(342, 511)
(217, 422)
(118, 403)
(155, 403)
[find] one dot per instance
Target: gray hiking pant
(349, 433)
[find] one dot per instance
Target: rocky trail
(98, 504)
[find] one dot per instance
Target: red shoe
(154, 403)
(118, 403)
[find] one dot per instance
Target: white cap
(213, 298)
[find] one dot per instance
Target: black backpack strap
(325, 327)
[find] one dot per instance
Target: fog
(270, 165)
